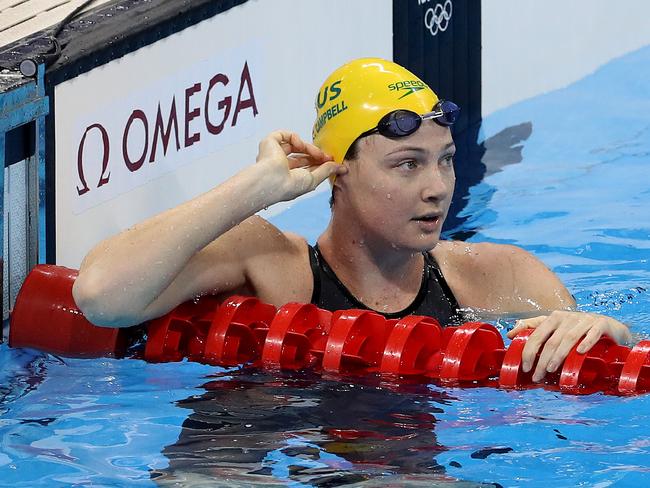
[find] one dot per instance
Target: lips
(429, 222)
(429, 217)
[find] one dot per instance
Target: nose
(436, 186)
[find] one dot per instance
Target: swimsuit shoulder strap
(314, 264)
(436, 273)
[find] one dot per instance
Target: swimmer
(383, 138)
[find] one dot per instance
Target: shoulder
(470, 265)
(500, 277)
(255, 236)
(276, 263)
(478, 257)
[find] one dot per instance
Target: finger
(278, 141)
(594, 334)
(288, 141)
(281, 135)
(567, 334)
(301, 161)
(304, 160)
(546, 354)
(536, 339)
(324, 171)
(297, 145)
(557, 326)
(316, 153)
(571, 333)
(523, 324)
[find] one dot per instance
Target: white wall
(290, 47)
(532, 46)
(21, 18)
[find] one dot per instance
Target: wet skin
(390, 203)
(398, 191)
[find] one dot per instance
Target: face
(398, 191)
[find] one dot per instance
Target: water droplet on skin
(388, 195)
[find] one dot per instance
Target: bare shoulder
(475, 253)
(256, 237)
(500, 277)
(252, 237)
(478, 258)
(276, 263)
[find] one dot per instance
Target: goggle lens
(400, 123)
(450, 112)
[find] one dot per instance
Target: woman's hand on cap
(556, 334)
(296, 166)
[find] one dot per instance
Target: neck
(367, 265)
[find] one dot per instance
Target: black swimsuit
(435, 298)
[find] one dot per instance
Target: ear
(338, 182)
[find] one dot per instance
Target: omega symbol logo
(437, 18)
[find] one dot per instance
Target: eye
(448, 159)
(408, 164)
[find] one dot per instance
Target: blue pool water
(578, 199)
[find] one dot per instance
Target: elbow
(94, 300)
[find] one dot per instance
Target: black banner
(440, 41)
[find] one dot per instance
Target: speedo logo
(409, 87)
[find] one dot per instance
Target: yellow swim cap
(357, 95)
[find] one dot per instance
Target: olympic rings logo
(437, 18)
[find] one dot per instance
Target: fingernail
(525, 366)
(536, 378)
(551, 367)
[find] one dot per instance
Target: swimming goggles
(400, 123)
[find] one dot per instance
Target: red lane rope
(244, 330)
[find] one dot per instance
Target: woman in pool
(384, 139)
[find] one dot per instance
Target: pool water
(577, 195)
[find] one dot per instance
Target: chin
(419, 243)
(429, 244)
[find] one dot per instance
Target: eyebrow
(419, 149)
(449, 145)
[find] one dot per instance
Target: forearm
(112, 284)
